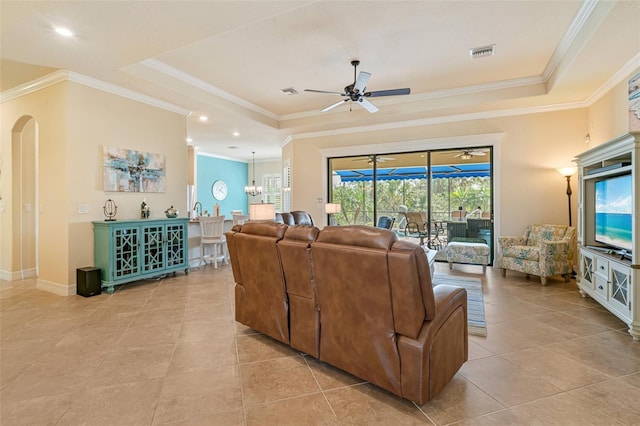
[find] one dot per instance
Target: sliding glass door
(430, 196)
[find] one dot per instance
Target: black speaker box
(88, 281)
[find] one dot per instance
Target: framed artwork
(126, 170)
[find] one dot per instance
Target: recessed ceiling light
(232, 147)
(236, 134)
(203, 118)
(66, 32)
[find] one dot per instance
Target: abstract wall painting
(126, 170)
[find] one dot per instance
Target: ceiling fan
(467, 154)
(356, 91)
(370, 159)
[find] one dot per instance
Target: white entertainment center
(608, 273)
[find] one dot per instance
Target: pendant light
(253, 190)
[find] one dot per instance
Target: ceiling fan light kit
(468, 154)
(356, 91)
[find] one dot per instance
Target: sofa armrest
(448, 298)
(430, 360)
(552, 252)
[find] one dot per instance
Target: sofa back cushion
(304, 316)
(412, 287)
(536, 233)
(355, 297)
(261, 298)
(295, 254)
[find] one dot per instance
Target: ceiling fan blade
(479, 153)
(392, 92)
(361, 82)
(367, 105)
(325, 91)
(334, 105)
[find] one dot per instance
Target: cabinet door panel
(620, 296)
(586, 268)
(126, 253)
(152, 248)
(176, 249)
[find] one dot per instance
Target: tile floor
(169, 352)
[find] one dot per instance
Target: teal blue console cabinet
(131, 250)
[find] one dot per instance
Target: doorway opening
(24, 178)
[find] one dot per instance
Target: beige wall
(47, 108)
(74, 123)
(528, 187)
(609, 116)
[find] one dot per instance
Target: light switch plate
(83, 208)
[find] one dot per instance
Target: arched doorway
(24, 162)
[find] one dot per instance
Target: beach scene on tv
(614, 212)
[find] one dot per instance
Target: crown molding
(125, 93)
(483, 139)
(34, 85)
(442, 119)
(64, 75)
(622, 74)
(221, 157)
(202, 85)
(584, 13)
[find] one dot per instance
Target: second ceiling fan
(356, 91)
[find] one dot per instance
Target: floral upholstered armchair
(543, 250)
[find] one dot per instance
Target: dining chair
(212, 234)
(240, 219)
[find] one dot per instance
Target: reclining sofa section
(354, 297)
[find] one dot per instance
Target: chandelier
(252, 189)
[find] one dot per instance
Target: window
(272, 189)
(286, 186)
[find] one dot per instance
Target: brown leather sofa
(260, 294)
(296, 217)
(356, 298)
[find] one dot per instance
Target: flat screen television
(613, 209)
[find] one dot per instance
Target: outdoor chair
(416, 225)
(385, 222)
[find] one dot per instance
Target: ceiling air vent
(481, 52)
(289, 91)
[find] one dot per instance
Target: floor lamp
(567, 172)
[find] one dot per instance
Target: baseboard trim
(56, 288)
(18, 275)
